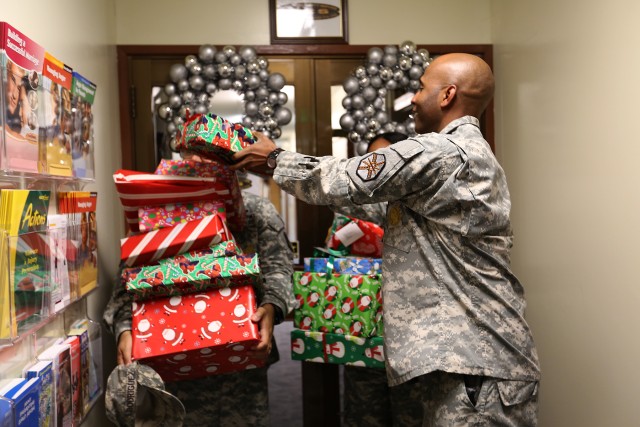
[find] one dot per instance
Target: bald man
(453, 308)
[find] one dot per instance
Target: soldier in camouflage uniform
(368, 399)
(238, 398)
(453, 309)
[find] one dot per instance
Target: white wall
(247, 21)
(82, 34)
(567, 111)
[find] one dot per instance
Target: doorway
(316, 73)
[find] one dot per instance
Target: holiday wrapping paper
(155, 217)
(311, 346)
(213, 136)
(218, 171)
(347, 265)
(189, 273)
(190, 336)
(137, 190)
(163, 243)
(347, 304)
(355, 237)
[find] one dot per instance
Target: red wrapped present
(155, 217)
(137, 190)
(353, 236)
(166, 242)
(191, 336)
(219, 171)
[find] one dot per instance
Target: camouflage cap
(135, 396)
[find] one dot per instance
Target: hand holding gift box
(191, 336)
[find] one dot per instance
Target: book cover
(24, 284)
(58, 262)
(90, 332)
(60, 356)
(26, 401)
(82, 252)
(44, 370)
(55, 118)
(85, 364)
(76, 398)
(21, 62)
(83, 92)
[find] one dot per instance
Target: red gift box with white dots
(195, 335)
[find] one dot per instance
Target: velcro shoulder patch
(371, 166)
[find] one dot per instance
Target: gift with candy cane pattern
(195, 335)
(146, 248)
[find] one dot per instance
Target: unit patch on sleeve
(370, 166)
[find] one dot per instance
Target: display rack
(49, 322)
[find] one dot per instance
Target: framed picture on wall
(308, 22)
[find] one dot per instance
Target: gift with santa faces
(311, 346)
(347, 304)
(195, 335)
(351, 236)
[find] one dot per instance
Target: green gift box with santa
(319, 347)
(346, 304)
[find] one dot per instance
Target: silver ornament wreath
(194, 84)
(384, 70)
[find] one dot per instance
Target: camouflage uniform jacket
(451, 301)
(264, 234)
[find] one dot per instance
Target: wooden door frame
(321, 397)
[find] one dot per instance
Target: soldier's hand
(125, 341)
(254, 157)
(264, 317)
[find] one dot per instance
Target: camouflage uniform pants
(499, 402)
(370, 402)
(236, 399)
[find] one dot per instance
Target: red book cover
(76, 397)
(22, 62)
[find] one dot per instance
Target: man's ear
(449, 93)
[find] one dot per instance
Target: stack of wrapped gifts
(338, 314)
(193, 288)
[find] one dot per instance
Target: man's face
(14, 84)
(426, 110)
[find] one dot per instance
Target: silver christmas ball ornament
(374, 55)
(178, 72)
(206, 53)
(189, 60)
(276, 82)
(224, 84)
(347, 122)
(283, 116)
(350, 85)
(247, 53)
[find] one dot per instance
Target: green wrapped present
(213, 136)
(347, 304)
(311, 346)
(192, 272)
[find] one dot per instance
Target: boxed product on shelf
(7, 418)
(312, 346)
(44, 370)
(82, 250)
(90, 334)
(25, 395)
(83, 93)
(56, 117)
(21, 63)
(76, 398)
(60, 356)
(23, 255)
(190, 336)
